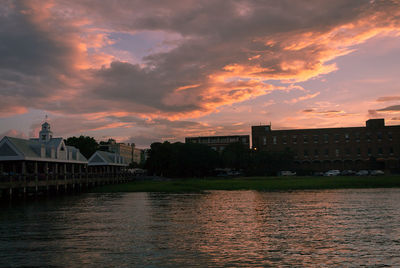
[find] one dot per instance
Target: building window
(368, 136)
(294, 138)
(274, 139)
(390, 136)
(327, 152)
(316, 153)
(264, 140)
(305, 153)
(391, 150)
(315, 138)
(379, 136)
(358, 151)
(305, 139)
(337, 152)
(347, 151)
(326, 138)
(369, 151)
(284, 139)
(357, 137)
(347, 137)
(337, 137)
(380, 151)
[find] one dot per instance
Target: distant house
(128, 151)
(39, 155)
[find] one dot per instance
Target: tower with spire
(45, 134)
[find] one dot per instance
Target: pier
(22, 178)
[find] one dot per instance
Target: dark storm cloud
(390, 108)
(225, 51)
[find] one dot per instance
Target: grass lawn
(252, 183)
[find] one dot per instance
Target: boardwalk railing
(39, 182)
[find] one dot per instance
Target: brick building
(374, 146)
(218, 143)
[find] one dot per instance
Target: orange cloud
(306, 97)
(388, 98)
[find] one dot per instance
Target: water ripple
(218, 229)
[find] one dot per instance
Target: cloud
(388, 98)
(302, 98)
(13, 133)
(392, 108)
(326, 113)
(60, 56)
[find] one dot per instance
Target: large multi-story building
(374, 146)
(218, 143)
(128, 151)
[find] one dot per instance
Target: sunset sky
(146, 71)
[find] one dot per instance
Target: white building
(39, 155)
(106, 162)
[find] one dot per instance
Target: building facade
(374, 146)
(219, 143)
(128, 151)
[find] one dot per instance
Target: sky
(148, 71)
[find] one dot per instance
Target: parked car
(333, 172)
(286, 173)
(362, 173)
(377, 172)
(347, 172)
(318, 173)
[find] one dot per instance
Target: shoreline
(252, 183)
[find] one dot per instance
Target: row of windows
(219, 140)
(326, 137)
(348, 151)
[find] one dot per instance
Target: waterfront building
(219, 143)
(107, 164)
(374, 146)
(100, 158)
(137, 155)
(44, 154)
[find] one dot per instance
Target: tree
(181, 159)
(86, 145)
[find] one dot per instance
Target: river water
(217, 229)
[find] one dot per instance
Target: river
(217, 228)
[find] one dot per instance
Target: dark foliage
(198, 160)
(181, 160)
(86, 145)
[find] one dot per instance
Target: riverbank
(252, 183)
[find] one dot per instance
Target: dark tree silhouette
(181, 160)
(86, 145)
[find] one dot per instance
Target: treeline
(198, 160)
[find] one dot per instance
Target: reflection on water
(219, 228)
